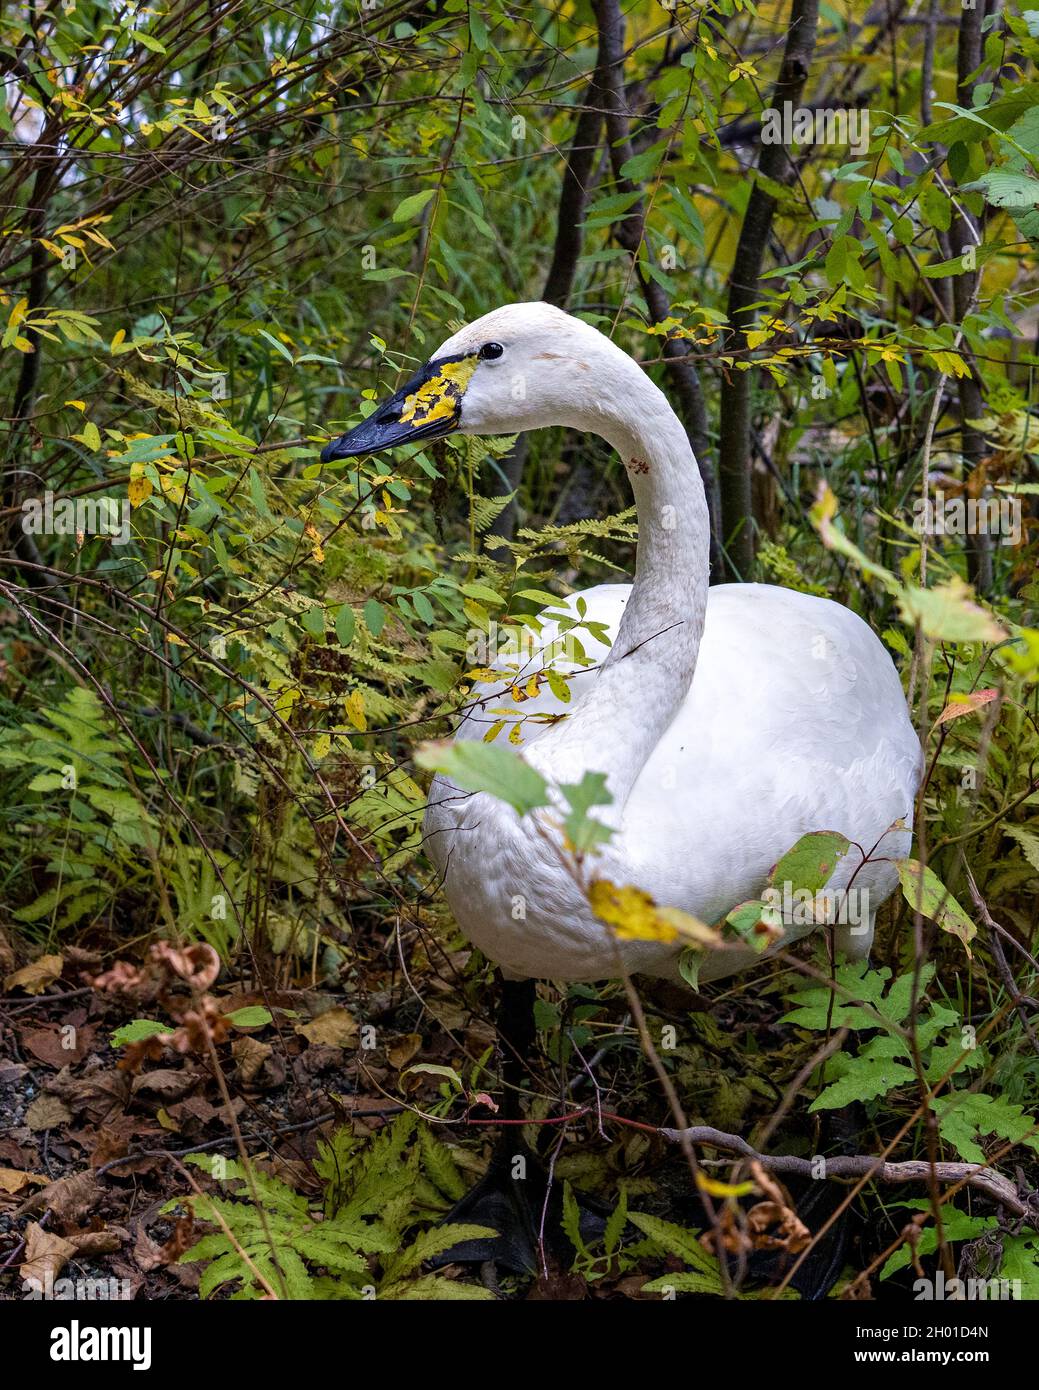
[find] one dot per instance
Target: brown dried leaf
(46, 1255)
(71, 1198)
(404, 1049)
(333, 1028)
(148, 1254)
(57, 1045)
(47, 1112)
(37, 976)
(167, 1083)
(250, 1055)
(97, 1242)
(13, 1181)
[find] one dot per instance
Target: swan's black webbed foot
(515, 1196)
(511, 1199)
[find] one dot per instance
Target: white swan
(729, 721)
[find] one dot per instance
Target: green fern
(860, 1001)
(352, 1247)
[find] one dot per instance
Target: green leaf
(138, 1030)
(675, 1240)
(487, 767)
(923, 889)
(948, 613)
(1004, 189)
(411, 206)
(810, 864)
(967, 1115)
(478, 29)
(345, 625)
(865, 1078)
(582, 831)
(314, 620)
(252, 1016)
(147, 41)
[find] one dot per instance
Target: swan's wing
(795, 721)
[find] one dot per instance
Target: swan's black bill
(428, 407)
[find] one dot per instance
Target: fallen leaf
(148, 1254)
(97, 1242)
(12, 1180)
(334, 1028)
(402, 1051)
(37, 976)
(46, 1255)
(113, 1139)
(167, 1083)
(250, 1055)
(71, 1198)
(47, 1112)
(57, 1045)
(97, 1092)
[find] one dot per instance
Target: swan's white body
(729, 721)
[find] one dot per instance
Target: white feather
(729, 721)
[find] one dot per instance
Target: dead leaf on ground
(47, 1112)
(333, 1028)
(167, 1083)
(404, 1049)
(70, 1198)
(13, 1181)
(46, 1255)
(183, 1238)
(147, 1252)
(112, 1140)
(251, 1058)
(57, 1045)
(105, 1242)
(98, 1091)
(196, 1110)
(35, 977)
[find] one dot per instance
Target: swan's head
(517, 368)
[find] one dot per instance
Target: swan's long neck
(645, 678)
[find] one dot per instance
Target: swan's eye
(490, 351)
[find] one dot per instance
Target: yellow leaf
(139, 490)
(634, 916)
(91, 436)
(715, 1188)
(13, 1180)
(80, 405)
(35, 978)
(333, 1028)
(321, 747)
(354, 706)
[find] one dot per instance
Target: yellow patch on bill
(437, 398)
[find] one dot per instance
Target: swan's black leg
(510, 1197)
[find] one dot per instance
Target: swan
(729, 721)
